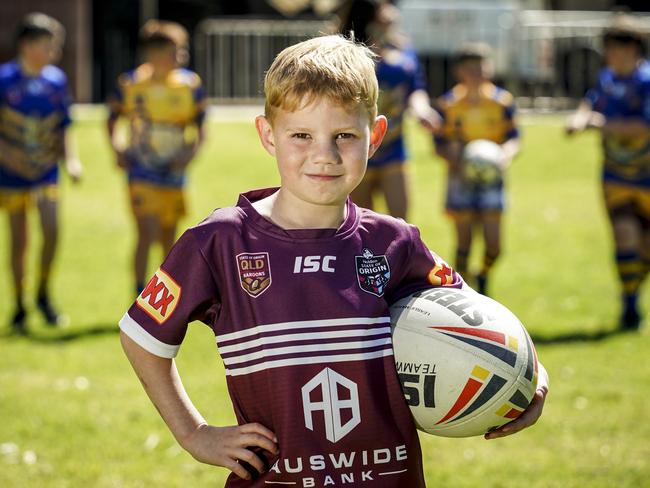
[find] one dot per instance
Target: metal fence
(233, 55)
(545, 57)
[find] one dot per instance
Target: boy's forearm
(112, 136)
(510, 149)
(163, 385)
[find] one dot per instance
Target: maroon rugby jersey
(302, 324)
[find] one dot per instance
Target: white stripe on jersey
(322, 346)
(300, 337)
(145, 340)
(308, 360)
(306, 348)
(303, 324)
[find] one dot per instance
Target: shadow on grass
(570, 337)
(63, 335)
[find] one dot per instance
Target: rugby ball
(482, 161)
(465, 362)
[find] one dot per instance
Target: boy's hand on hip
(229, 446)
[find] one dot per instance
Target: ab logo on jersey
(254, 272)
(337, 397)
(160, 297)
(373, 272)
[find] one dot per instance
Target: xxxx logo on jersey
(160, 297)
(441, 274)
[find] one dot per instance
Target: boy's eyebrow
(341, 129)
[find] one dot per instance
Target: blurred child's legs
(17, 212)
(472, 206)
(491, 222)
(47, 205)
(392, 181)
(157, 210)
(395, 185)
(628, 208)
(17, 202)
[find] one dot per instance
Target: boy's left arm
(420, 105)
(511, 146)
(531, 414)
(191, 149)
(72, 163)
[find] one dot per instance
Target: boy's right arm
(219, 446)
(584, 118)
(114, 104)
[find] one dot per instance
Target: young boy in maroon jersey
(296, 283)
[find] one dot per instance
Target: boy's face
(471, 71)
(162, 57)
(322, 149)
(41, 51)
(621, 57)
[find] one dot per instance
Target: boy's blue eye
(301, 135)
(344, 135)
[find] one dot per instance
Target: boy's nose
(326, 153)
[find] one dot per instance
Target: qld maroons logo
(254, 272)
(373, 272)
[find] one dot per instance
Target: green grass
(72, 413)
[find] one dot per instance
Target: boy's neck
(289, 212)
(626, 69)
(158, 73)
(29, 68)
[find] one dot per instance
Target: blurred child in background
(165, 107)
(34, 116)
(475, 109)
(402, 87)
(619, 106)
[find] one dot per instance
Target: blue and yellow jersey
(399, 74)
(491, 117)
(34, 112)
(626, 159)
(164, 118)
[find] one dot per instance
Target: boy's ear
(377, 133)
(265, 131)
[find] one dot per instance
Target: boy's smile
(322, 151)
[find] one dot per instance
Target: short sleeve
(64, 105)
(418, 80)
(115, 100)
(509, 114)
(181, 290)
(645, 102)
(595, 93)
(200, 101)
(422, 269)
(441, 137)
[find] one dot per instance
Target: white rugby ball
(465, 362)
(482, 161)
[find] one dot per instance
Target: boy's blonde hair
(327, 66)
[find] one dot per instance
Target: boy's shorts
(629, 198)
(16, 200)
(466, 200)
(166, 203)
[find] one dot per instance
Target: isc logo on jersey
(160, 297)
(313, 264)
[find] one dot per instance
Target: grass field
(72, 413)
